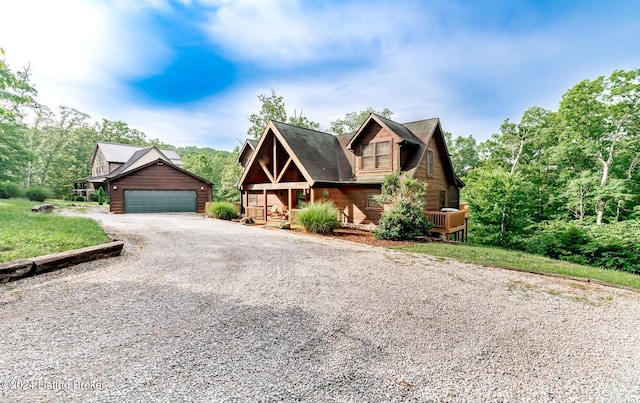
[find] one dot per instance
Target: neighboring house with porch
(290, 166)
(143, 179)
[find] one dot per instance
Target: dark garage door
(159, 201)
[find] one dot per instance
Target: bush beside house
(319, 217)
(403, 217)
(222, 210)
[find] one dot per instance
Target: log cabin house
(289, 166)
(144, 180)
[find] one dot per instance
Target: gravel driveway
(205, 310)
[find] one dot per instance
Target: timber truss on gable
(273, 163)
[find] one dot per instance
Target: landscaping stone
(16, 269)
(60, 260)
(42, 208)
(246, 221)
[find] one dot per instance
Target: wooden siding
(436, 182)
(352, 201)
(158, 177)
(374, 133)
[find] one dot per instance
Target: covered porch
(278, 202)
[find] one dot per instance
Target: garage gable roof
(158, 161)
(139, 158)
(121, 153)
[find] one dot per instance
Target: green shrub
(222, 210)
(10, 190)
(405, 221)
(611, 246)
(319, 217)
(93, 196)
(38, 193)
(75, 197)
(404, 216)
(101, 196)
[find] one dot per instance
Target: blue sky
(189, 72)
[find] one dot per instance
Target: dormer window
(375, 155)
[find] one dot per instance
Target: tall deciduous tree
(463, 152)
(500, 205)
(119, 132)
(16, 92)
(273, 109)
(353, 120)
(602, 118)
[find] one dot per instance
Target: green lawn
(521, 260)
(25, 234)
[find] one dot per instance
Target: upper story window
(375, 155)
(429, 163)
(98, 164)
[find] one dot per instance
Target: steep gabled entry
(274, 178)
(273, 163)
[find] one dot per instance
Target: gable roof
(136, 158)
(315, 151)
(325, 158)
(156, 161)
(121, 153)
(248, 147)
(399, 130)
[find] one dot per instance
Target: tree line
(43, 148)
(565, 182)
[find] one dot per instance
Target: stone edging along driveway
(21, 268)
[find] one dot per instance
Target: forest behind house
(563, 183)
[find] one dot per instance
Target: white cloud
(79, 51)
(416, 59)
(288, 32)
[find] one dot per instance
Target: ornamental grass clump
(38, 193)
(222, 210)
(10, 190)
(319, 217)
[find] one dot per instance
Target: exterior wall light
(115, 187)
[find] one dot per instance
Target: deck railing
(256, 213)
(446, 220)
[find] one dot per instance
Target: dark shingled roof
(401, 130)
(327, 159)
(422, 128)
(316, 151)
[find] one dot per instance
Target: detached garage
(157, 186)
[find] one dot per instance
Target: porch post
(264, 198)
(289, 204)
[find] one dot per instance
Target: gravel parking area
(206, 310)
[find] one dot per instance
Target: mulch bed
(366, 237)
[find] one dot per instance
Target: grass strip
(487, 255)
(24, 234)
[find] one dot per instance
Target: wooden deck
(449, 223)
